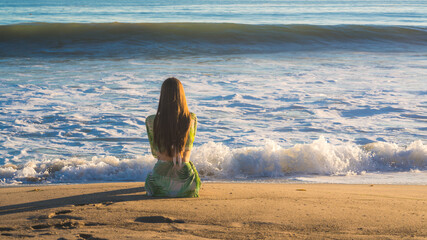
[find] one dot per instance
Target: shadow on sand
(108, 197)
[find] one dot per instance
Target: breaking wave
(158, 39)
(216, 161)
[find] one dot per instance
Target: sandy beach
(224, 211)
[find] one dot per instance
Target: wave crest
(196, 38)
(216, 161)
(319, 157)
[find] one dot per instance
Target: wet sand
(224, 211)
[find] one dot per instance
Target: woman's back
(171, 133)
(149, 123)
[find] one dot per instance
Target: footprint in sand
(90, 237)
(158, 219)
(90, 224)
(6, 229)
(40, 226)
(63, 212)
(69, 217)
(17, 235)
(69, 224)
(63, 215)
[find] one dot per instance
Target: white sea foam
(216, 161)
(78, 170)
(320, 157)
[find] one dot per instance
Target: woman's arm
(186, 156)
(149, 122)
(190, 139)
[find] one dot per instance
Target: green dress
(168, 178)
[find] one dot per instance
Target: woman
(171, 134)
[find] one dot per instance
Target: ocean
(285, 91)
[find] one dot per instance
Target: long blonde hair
(172, 121)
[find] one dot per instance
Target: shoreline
(225, 181)
(224, 210)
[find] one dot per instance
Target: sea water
(284, 91)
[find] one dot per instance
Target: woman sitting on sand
(171, 134)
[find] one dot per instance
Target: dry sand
(224, 211)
